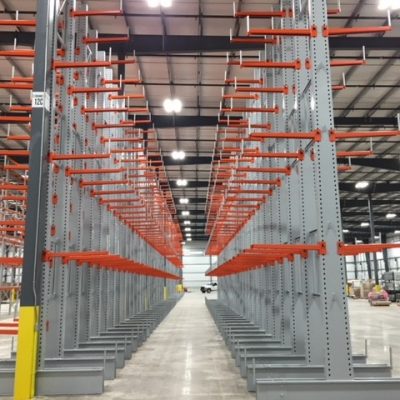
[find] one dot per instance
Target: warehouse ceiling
(181, 53)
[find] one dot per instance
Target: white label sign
(40, 100)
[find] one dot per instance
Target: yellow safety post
(25, 370)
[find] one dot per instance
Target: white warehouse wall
(195, 264)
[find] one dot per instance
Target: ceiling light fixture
(188, 229)
(186, 222)
(391, 215)
(362, 185)
(346, 231)
(364, 224)
(389, 5)
(396, 232)
(172, 106)
(181, 182)
(185, 213)
(184, 200)
(178, 154)
(189, 239)
(188, 234)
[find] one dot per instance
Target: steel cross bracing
(277, 232)
(102, 251)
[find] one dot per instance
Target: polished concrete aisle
(185, 358)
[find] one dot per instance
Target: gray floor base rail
(82, 370)
(275, 372)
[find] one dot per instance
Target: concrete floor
(185, 358)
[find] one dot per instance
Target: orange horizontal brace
(9, 331)
(13, 198)
(106, 192)
(16, 167)
(17, 53)
(75, 90)
(111, 39)
(261, 14)
(284, 90)
(98, 13)
(253, 40)
(299, 155)
(70, 172)
(101, 183)
(310, 32)
(252, 109)
(18, 108)
(80, 64)
(12, 186)
(335, 135)
(12, 222)
(125, 81)
(354, 249)
(240, 97)
(126, 96)
(12, 229)
(125, 124)
(122, 151)
(15, 153)
(328, 31)
(314, 135)
(18, 138)
(271, 64)
(286, 170)
(346, 63)
(17, 22)
(355, 153)
(16, 86)
(15, 119)
(245, 81)
(65, 157)
(252, 191)
(105, 139)
(98, 110)
(22, 79)
(15, 261)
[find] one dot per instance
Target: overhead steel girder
(147, 44)
(389, 164)
(372, 188)
(364, 203)
(189, 121)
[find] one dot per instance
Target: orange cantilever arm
(70, 172)
(252, 109)
(17, 22)
(11, 119)
(17, 53)
(12, 261)
(80, 64)
(111, 39)
(12, 186)
(328, 31)
(270, 64)
(346, 63)
(16, 86)
(355, 153)
(310, 32)
(102, 183)
(99, 13)
(354, 249)
(15, 153)
(284, 90)
(261, 14)
(65, 157)
(335, 135)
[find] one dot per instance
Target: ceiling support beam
(143, 44)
